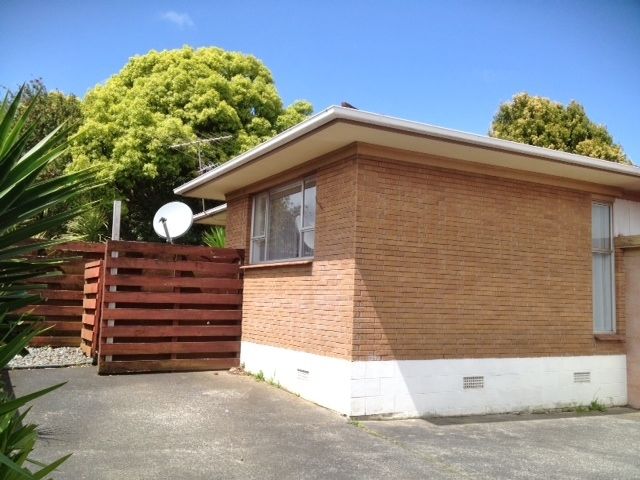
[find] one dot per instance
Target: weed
(259, 376)
(594, 406)
(356, 423)
(273, 382)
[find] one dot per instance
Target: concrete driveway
(222, 426)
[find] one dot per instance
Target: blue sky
(445, 63)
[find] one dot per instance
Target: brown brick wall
(306, 307)
(433, 263)
(239, 223)
(632, 307)
(461, 265)
(621, 281)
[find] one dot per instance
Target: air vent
(303, 374)
(581, 377)
(472, 382)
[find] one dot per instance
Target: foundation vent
(581, 377)
(472, 382)
(302, 374)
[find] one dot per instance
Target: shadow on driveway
(206, 425)
(524, 417)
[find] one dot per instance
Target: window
(283, 225)
(603, 271)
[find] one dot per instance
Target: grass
(273, 382)
(594, 406)
(259, 377)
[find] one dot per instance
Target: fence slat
(57, 341)
(153, 314)
(174, 365)
(49, 294)
(181, 265)
(168, 347)
(226, 254)
(61, 326)
(173, 331)
(176, 298)
(75, 280)
(157, 281)
(52, 310)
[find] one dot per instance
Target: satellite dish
(172, 220)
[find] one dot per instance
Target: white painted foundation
(414, 388)
(323, 380)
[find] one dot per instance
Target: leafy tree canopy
(544, 123)
(171, 97)
(49, 110)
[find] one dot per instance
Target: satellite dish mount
(166, 230)
(172, 220)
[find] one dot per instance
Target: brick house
(396, 268)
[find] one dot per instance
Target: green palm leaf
(24, 201)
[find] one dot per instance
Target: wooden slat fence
(61, 307)
(169, 308)
(93, 273)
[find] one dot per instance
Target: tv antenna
(198, 144)
(172, 220)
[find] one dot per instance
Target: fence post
(115, 235)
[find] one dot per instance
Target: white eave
(212, 216)
(337, 127)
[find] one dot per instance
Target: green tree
(544, 123)
(47, 111)
(50, 110)
(165, 98)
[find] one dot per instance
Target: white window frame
(611, 251)
(265, 236)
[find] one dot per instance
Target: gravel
(42, 357)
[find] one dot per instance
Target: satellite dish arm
(166, 230)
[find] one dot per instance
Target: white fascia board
(484, 141)
(405, 126)
(210, 212)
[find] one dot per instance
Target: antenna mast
(198, 146)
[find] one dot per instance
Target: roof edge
(377, 120)
(281, 139)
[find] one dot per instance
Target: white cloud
(182, 20)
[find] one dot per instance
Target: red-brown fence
(91, 304)
(61, 307)
(169, 308)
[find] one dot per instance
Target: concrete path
(220, 426)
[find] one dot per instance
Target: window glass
(284, 222)
(601, 227)
(258, 250)
(603, 273)
(309, 219)
(259, 213)
(308, 243)
(283, 236)
(602, 293)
